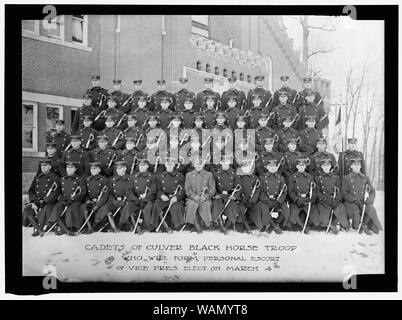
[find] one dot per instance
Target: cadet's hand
(276, 203)
(203, 198)
(197, 198)
(232, 197)
(143, 195)
(34, 206)
(164, 197)
(173, 200)
(333, 203)
(300, 203)
(95, 208)
(274, 215)
(218, 196)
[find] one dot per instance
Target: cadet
(115, 136)
(345, 158)
(226, 182)
(66, 213)
(55, 159)
(112, 110)
(262, 132)
(284, 109)
(233, 93)
(124, 100)
(98, 94)
(130, 154)
(87, 109)
(155, 166)
(208, 91)
(43, 194)
(272, 199)
(98, 193)
(256, 110)
(134, 131)
(137, 94)
(117, 199)
(310, 108)
(267, 155)
(170, 192)
(209, 111)
(141, 193)
(164, 112)
(264, 94)
(291, 93)
(104, 155)
(88, 134)
(354, 187)
(319, 155)
(188, 113)
(200, 188)
(286, 133)
(156, 97)
(290, 157)
(300, 185)
(300, 100)
(309, 137)
(232, 111)
(182, 94)
(59, 137)
(77, 155)
(142, 112)
(329, 197)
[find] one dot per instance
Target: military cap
(120, 163)
(259, 77)
(112, 97)
(272, 162)
(352, 140)
(95, 77)
(130, 139)
(160, 82)
(232, 79)
(95, 164)
(137, 81)
(199, 116)
(284, 77)
(116, 81)
(165, 98)
(210, 97)
(45, 161)
(189, 98)
(208, 79)
(143, 161)
(110, 118)
(87, 96)
(183, 80)
(51, 144)
(263, 115)
(58, 121)
(142, 98)
(75, 137)
(307, 79)
(321, 140)
(286, 118)
(302, 161)
(325, 161)
(88, 117)
(292, 140)
(283, 93)
(171, 160)
(232, 98)
(310, 118)
(71, 163)
(103, 138)
(175, 117)
(132, 115)
(240, 117)
(356, 161)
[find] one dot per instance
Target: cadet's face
(262, 122)
(257, 102)
(268, 146)
(352, 146)
(259, 83)
(284, 83)
(131, 122)
(111, 103)
(165, 104)
(161, 87)
(283, 99)
(137, 86)
(169, 166)
(208, 85)
(310, 124)
(232, 104)
(51, 151)
(102, 144)
(121, 170)
(232, 85)
(87, 101)
(198, 123)
(292, 146)
(130, 145)
(220, 120)
(225, 165)
(87, 123)
(142, 103)
(70, 170)
(356, 167)
(321, 146)
(117, 87)
(287, 123)
(210, 103)
(188, 105)
(45, 167)
(176, 123)
(95, 170)
(301, 167)
(199, 166)
(109, 123)
(307, 85)
(143, 167)
(95, 83)
(75, 143)
(310, 99)
(326, 167)
(152, 123)
(59, 127)
(271, 168)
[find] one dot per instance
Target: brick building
(59, 59)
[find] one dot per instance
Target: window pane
(27, 115)
(79, 16)
(28, 25)
(200, 31)
(27, 138)
(53, 28)
(52, 114)
(78, 31)
(201, 19)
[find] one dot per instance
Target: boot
(37, 229)
(197, 227)
(111, 222)
(246, 227)
(375, 229)
(365, 229)
(64, 229)
(276, 228)
(221, 227)
(168, 230)
(334, 229)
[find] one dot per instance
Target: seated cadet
(309, 136)
(117, 200)
(226, 181)
(98, 94)
(267, 155)
(262, 132)
(112, 110)
(250, 190)
(66, 212)
(345, 158)
(141, 192)
(59, 137)
(76, 154)
(285, 133)
(55, 160)
(142, 112)
(188, 113)
(310, 108)
(104, 155)
(88, 134)
(156, 97)
(97, 195)
(85, 110)
(354, 186)
(164, 112)
(124, 100)
(232, 111)
(272, 199)
(209, 112)
(43, 193)
(282, 110)
(169, 194)
(182, 94)
(315, 164)
(115, 136)
(300, 185)
(290, 156)
(133, 131)
(200, 188)
(329, 198)
(255, 111)
(307, 84)
(131, 155)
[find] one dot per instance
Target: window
(31, 26)
(54, 28)
(208, 68)
(249, 79)
(225, 73)
(198, 65)
(234, 74)
(53, 113)
(241, 76)
(200, 25)
(79, 25)
(217, 71)
(29, 126)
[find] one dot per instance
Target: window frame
(35, 126)
(36, 27)
(84, 30)
(203, 27)
(62, 24)
(55, 106)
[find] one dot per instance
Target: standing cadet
(291, 93)
(188, 113)
(310, 108)
(141, 192)
(200, 188)
(262, 132)
(209, 111)
(88, 134)
(300, 100)
(155, 101)
(66, 212)
(256, 110)
(283, 109)
(59, 137)
(290, 157)
(98, 94)
(358, 194)
(137, 94)
(135, 132)
(169, 194)
(87, 109)
(97, 194)
(164, 112)
(232, 111)
(319, 155)
(124, 102)
(267, 155)
(104, 155)
(329, 198)
(309, 137)
(77, 155)
(54, 157)
(43, 194)
(233, 93)
(131, 155)
(115, 136)
(112, 110)
(142, 112)
(208, 91)
(182, 94)
(264, 94)
(345, 158)
(286, 133)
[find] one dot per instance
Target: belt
(303, 195)
(271, 196)
(224, 192)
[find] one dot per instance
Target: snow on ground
(183, 256)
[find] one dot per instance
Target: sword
(336, 189)
(366, 196)
(114, 157)
(119, 136)
(114, 214)
(139, 214)
(90, 139)
(297, 117)
(101, 114)
(283, 189)
(121, 119)
(238, 188)
(133, 165)
(129, 100)
(312, 186)
(102, 99)
(170, 204)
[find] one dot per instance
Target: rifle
(238, 188)
(114, 214)
(119, 136)
(170, 204)
(312, 186)
(336, 189)
(90, 139)
(366, 196)
(139, 214)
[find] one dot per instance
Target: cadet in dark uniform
(104, 155)
(353, 191)
(290, 157)
(182, 94)
(43, 193)
(233, 93)
(88, 134)
(142, 112)
(317, 157)
(112, 110)
(267, 155)
(137, 94)
(164, 112)
(87, 109)
(310, 108)
(285, 88)
(283, 109)
(262, 132)
(98, 94)
(124, 102)
(155, 101)
(59, 137)
(232, 111)
(55, 159)
(309, 137)
(300, 100)
(345, 158)
(115, 136)
(256, 110)
(135, 132)
(286, 133)
(264, 94)
(77, 155)
(208, 91)
(188, 113)
(209, 111)
(131, 155)
(97, 194)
